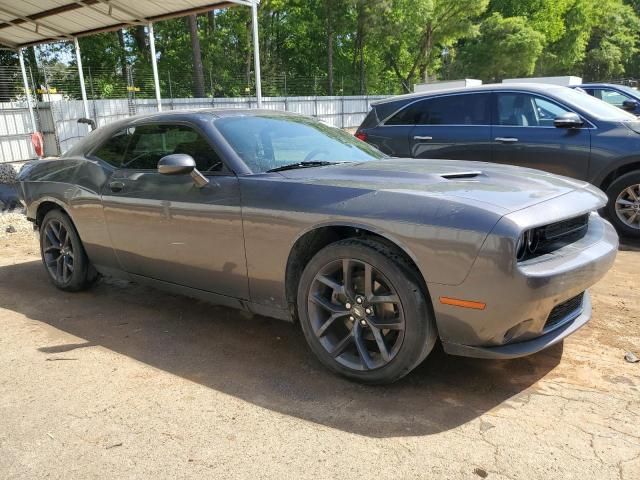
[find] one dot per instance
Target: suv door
(524, 134)
(455, 126)
(163, 226)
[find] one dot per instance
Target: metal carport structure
(25, 23)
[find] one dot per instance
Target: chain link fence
(113, 95)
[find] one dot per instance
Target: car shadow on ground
(264, 361)
(628, 244)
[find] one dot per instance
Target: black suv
(547, 127)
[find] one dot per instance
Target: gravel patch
(15, 225)
(8, 173)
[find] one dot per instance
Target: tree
(506, 47)
(414, 28)
(196, 56)
(613, 42)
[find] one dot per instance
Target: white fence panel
(15, 132)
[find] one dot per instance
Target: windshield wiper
(293, 166)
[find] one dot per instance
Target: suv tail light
(361, 136)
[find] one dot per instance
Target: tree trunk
(198, 73)
(211, 23)
(140, 37)
(123, 52)
(330, 34)
(358, 51)
(249, 58)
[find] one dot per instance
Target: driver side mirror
(182, 164)
(629, 105)
(568, 120)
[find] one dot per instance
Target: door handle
(420, 137)
(116, 186)
(506, 140)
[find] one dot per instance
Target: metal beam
(109, 13)
(83, 90)
(154, 65)
(256, 52)
(26, 90)
(9, 45)
(20, 19)
(126, 10)
(79, 4)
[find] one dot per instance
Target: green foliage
(415, 32)
(505, 47)
(613, 42)
(354, 47)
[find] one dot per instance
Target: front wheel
(63, 254)
(364, 313)
(623, 208)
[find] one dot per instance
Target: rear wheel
(63, 254)
(623, 208)
(364, 313)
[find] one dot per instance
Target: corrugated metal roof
(30, 22)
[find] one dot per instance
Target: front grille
(546, 239)
(564, 310)
(573, 226)
(559, 234)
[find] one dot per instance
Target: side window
(547, 111)
(613, 97)
(525, 110)
(408, 115)
(149, 143)
(466, 109)
(113, 150)
(456, 110)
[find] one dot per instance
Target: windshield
(595, 107)
(631, 91)
(270, 142)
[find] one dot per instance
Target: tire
(349, 343)
(623, 189)
(63, 254)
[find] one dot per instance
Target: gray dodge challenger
(284, 216)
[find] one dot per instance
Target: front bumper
(520, 297)
(522, 349)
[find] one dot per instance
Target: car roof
(525, 87)
(194, 114)
(597, 85)
(214, 112)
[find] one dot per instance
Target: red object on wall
(38, 143)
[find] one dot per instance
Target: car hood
(507, 187)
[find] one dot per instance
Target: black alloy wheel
(58, 251)
(63, 254)
(364, 312)
(356, 314)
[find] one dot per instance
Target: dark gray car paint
(230, 242)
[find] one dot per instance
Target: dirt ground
(127, 382)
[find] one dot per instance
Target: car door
(524, 134)
(455, 126)
(166, 228)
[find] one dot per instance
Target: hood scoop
(461, 175)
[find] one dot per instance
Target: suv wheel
(623, 208)
(364, 313)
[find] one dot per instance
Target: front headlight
(527, 245)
